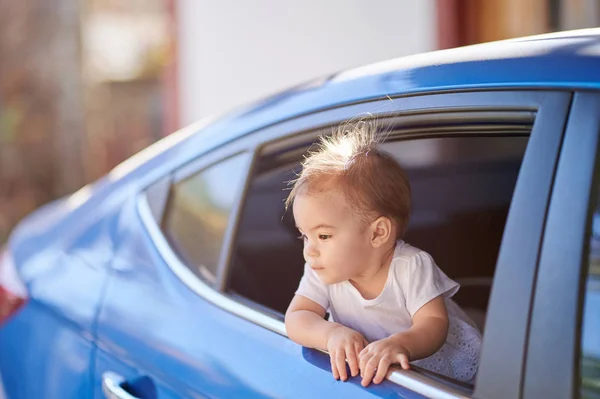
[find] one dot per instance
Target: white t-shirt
(413, 280)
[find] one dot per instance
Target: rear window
(198, 212)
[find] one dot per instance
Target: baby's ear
(381, 231)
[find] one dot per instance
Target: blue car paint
(151, 322)
(50, 342)
(42, 355)
(89, 258)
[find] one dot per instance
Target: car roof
(558, 60)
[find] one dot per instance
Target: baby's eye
(324, 237)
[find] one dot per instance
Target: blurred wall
(575, 14)
(233, 52)
(125, 51)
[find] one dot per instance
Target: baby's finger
(352, 360)
(403, 360)
(369, 371)
(358, 348)
(364, 350)
(334, 370)
(340, 362)
(362, 362)
(382, 369)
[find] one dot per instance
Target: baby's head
(351, 202)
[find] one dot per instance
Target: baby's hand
(379, 356)
(344, 343)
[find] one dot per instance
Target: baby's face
(337, 244)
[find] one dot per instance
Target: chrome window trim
(409, 379)
(192, 281)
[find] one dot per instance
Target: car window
(590, 332)
(198, 211)
(461, 188)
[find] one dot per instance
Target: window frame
(559, 289)
(520, 245)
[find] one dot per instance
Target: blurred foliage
(61, 126)
(33, 57)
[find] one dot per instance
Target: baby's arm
(305, 325)
(426, 336)
(428, 332)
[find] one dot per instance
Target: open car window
(462, 185)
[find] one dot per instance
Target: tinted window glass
(198, 212)
(590, 339)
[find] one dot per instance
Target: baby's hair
(372, 181)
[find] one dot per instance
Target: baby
(389, 302)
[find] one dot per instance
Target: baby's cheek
(352, 254)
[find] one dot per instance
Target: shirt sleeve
(312, 288)
(424, 281)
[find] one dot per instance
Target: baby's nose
(310, 251)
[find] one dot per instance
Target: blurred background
(85, 84)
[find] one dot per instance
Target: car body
(107, 298)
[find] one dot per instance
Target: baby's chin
(329, 279)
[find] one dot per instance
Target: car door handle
(112, 386)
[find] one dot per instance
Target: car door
(170, 326)
(563, 354)
(164, 330)
(516, 266)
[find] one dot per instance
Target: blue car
(169, 277)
